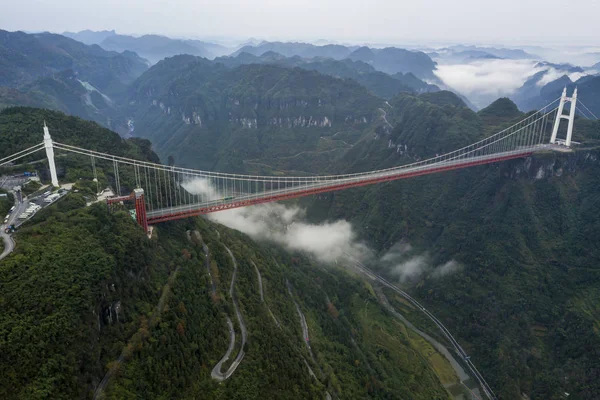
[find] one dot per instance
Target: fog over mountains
(506, 254)
(479, 73)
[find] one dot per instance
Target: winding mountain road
(207, 263)
(262, 294)
(303, 323)
(9, 243)
(216, 372)
(457, 347)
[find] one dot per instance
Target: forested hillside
(26, 57)
(53, 71)
(380, 83)
(523, 297)
(390, 60)
(211, 117)
(22, 127)
(90, 306)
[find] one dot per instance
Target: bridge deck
(190, 210)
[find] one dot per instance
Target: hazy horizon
(508, 23)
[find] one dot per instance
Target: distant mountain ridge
(305, 50)
(462, 53)
(535, 93)
(90, 37)
(27, 57)
(56, 72)
(390, 60)
(156, 47)
(378, 82)
(193, 107)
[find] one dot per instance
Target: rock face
(199, 116)
(555, 165)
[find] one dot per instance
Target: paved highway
(262, 294)
(9, 243)
(457, 347)
(303, 323)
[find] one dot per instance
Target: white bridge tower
(50, 154)
(559, 115)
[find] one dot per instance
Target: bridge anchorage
(163, 193)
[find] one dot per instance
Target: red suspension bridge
(164, 193)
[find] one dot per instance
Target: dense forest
(524, 302)
(506, 255)
(86, 293)
(93, 307)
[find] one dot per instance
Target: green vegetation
(22, 127)
(5, 203)
(59, 73)
(26, 57)
(380, 83)
(107, 298)
(524, 232)
(218, 118)
(86, 296)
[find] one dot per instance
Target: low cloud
(553, 74)
(407, 266)
(328, 241)
(446, 269)
(284, 225)
(486, 80)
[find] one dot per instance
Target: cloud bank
(327, 242)
(281, 224)
(485, 81)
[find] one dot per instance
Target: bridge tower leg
(559, 116)
(50, 154)
(140, 208)
(571, 118)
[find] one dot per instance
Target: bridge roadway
(190, 210)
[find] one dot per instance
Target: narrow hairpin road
(303, 323)
(216, 372)
(262, 294)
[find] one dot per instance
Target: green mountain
(304, 50)
(59, 73)
(27, 57)
(535, 93)
(524, 300)
(381, 84)
(392, 60)
(212, 117)
(64, 92)
(93, 308)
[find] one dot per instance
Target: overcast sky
(384, 21)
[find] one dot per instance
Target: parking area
(26, 207)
